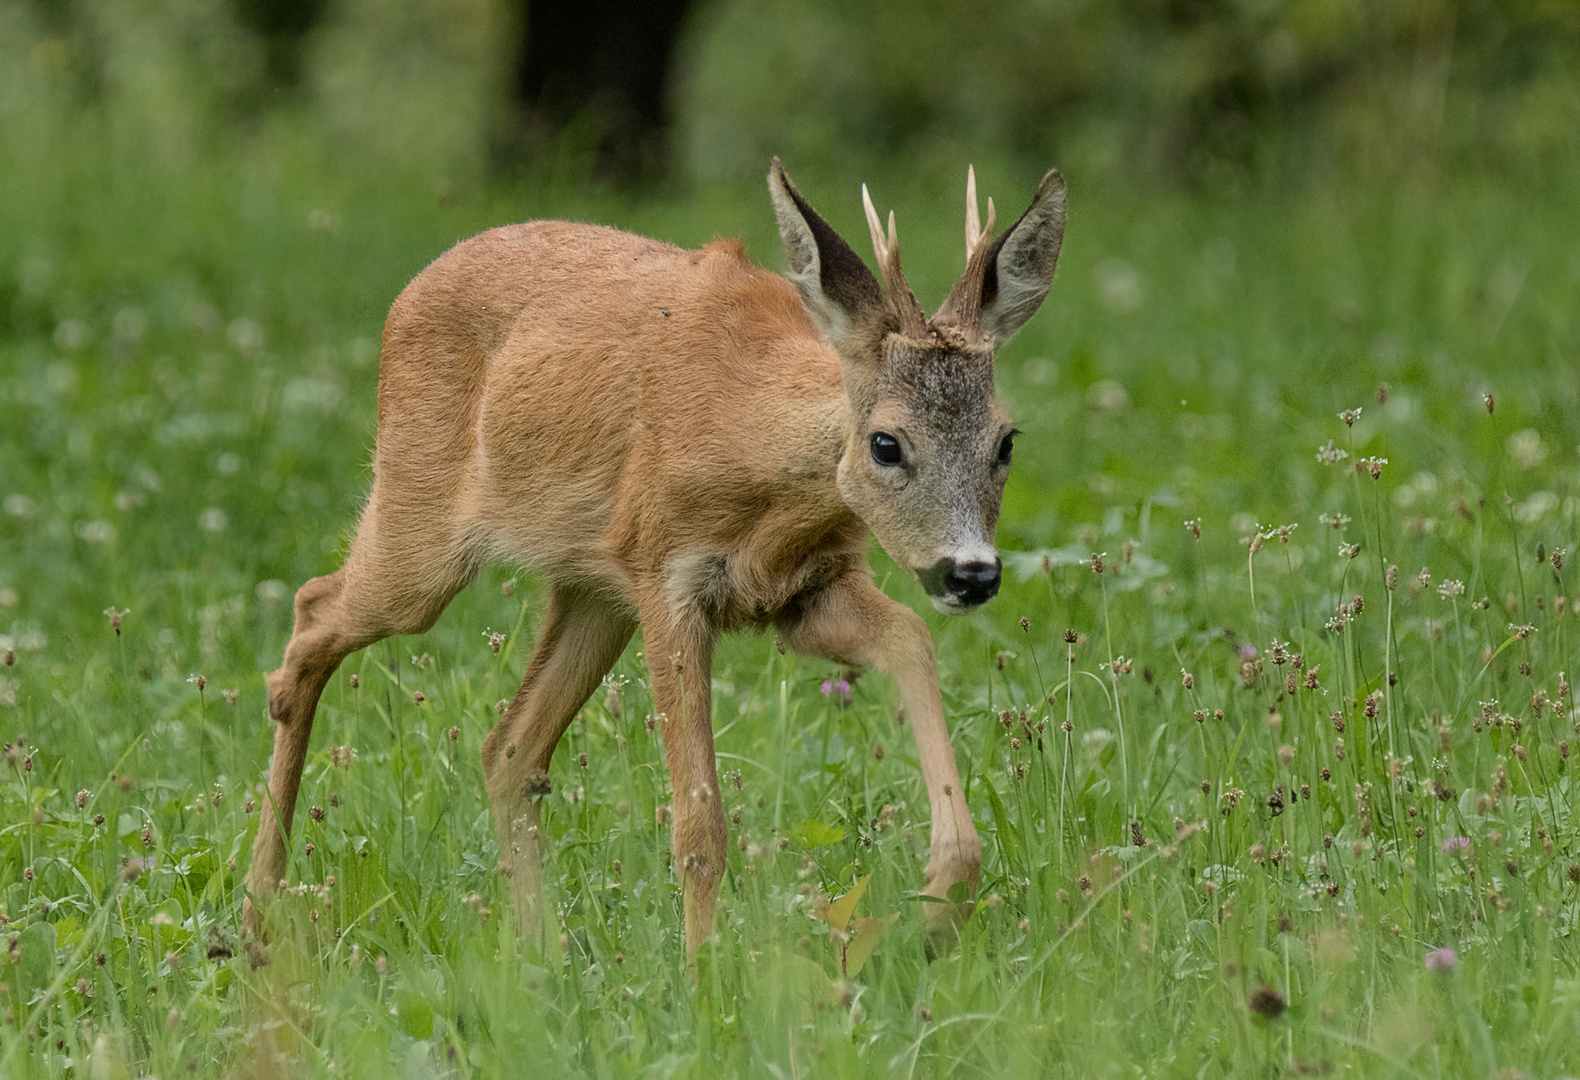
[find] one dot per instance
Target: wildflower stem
(1393, 751)
(1119, 716)
(1069, 731)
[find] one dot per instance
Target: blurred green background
(206, 209)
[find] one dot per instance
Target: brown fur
(666, 436)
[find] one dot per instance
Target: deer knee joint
(699, 867)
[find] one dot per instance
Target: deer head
(928, 450)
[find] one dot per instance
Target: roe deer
(684, 442)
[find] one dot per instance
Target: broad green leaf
(36, 967)
(416, 1016)
(814, 834)
(959, 893)
(801, 984)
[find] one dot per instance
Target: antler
(963, 307)
(913, 323)
(975, 232)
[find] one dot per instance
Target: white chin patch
(949, 606)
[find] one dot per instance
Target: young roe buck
(684, 442)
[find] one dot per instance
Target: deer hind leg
(583, 637)
(853, 622)
(388, 585)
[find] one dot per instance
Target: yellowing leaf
(840, 911)
(865, 939)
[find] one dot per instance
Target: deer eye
(1006, 448)
(886, 449)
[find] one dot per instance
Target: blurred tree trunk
(606, 64)
(281, 25)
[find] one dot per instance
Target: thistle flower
(837, 691)
(1267, 1002)
(1441, 960)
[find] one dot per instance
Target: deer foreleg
(681, 665)
(853, 622)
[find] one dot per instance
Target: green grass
(187, 372)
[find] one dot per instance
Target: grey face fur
(936, 509)
(924, 387)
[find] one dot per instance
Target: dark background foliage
(633, 92)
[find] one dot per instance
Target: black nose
(972, 582)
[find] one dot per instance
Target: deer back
(597, 403)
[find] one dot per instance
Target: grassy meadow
(1267, 735)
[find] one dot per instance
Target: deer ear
(1021, 261)
(836, 288)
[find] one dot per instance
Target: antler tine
(913, 322)
(963, 308)
(973, 222)
(875, 227)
